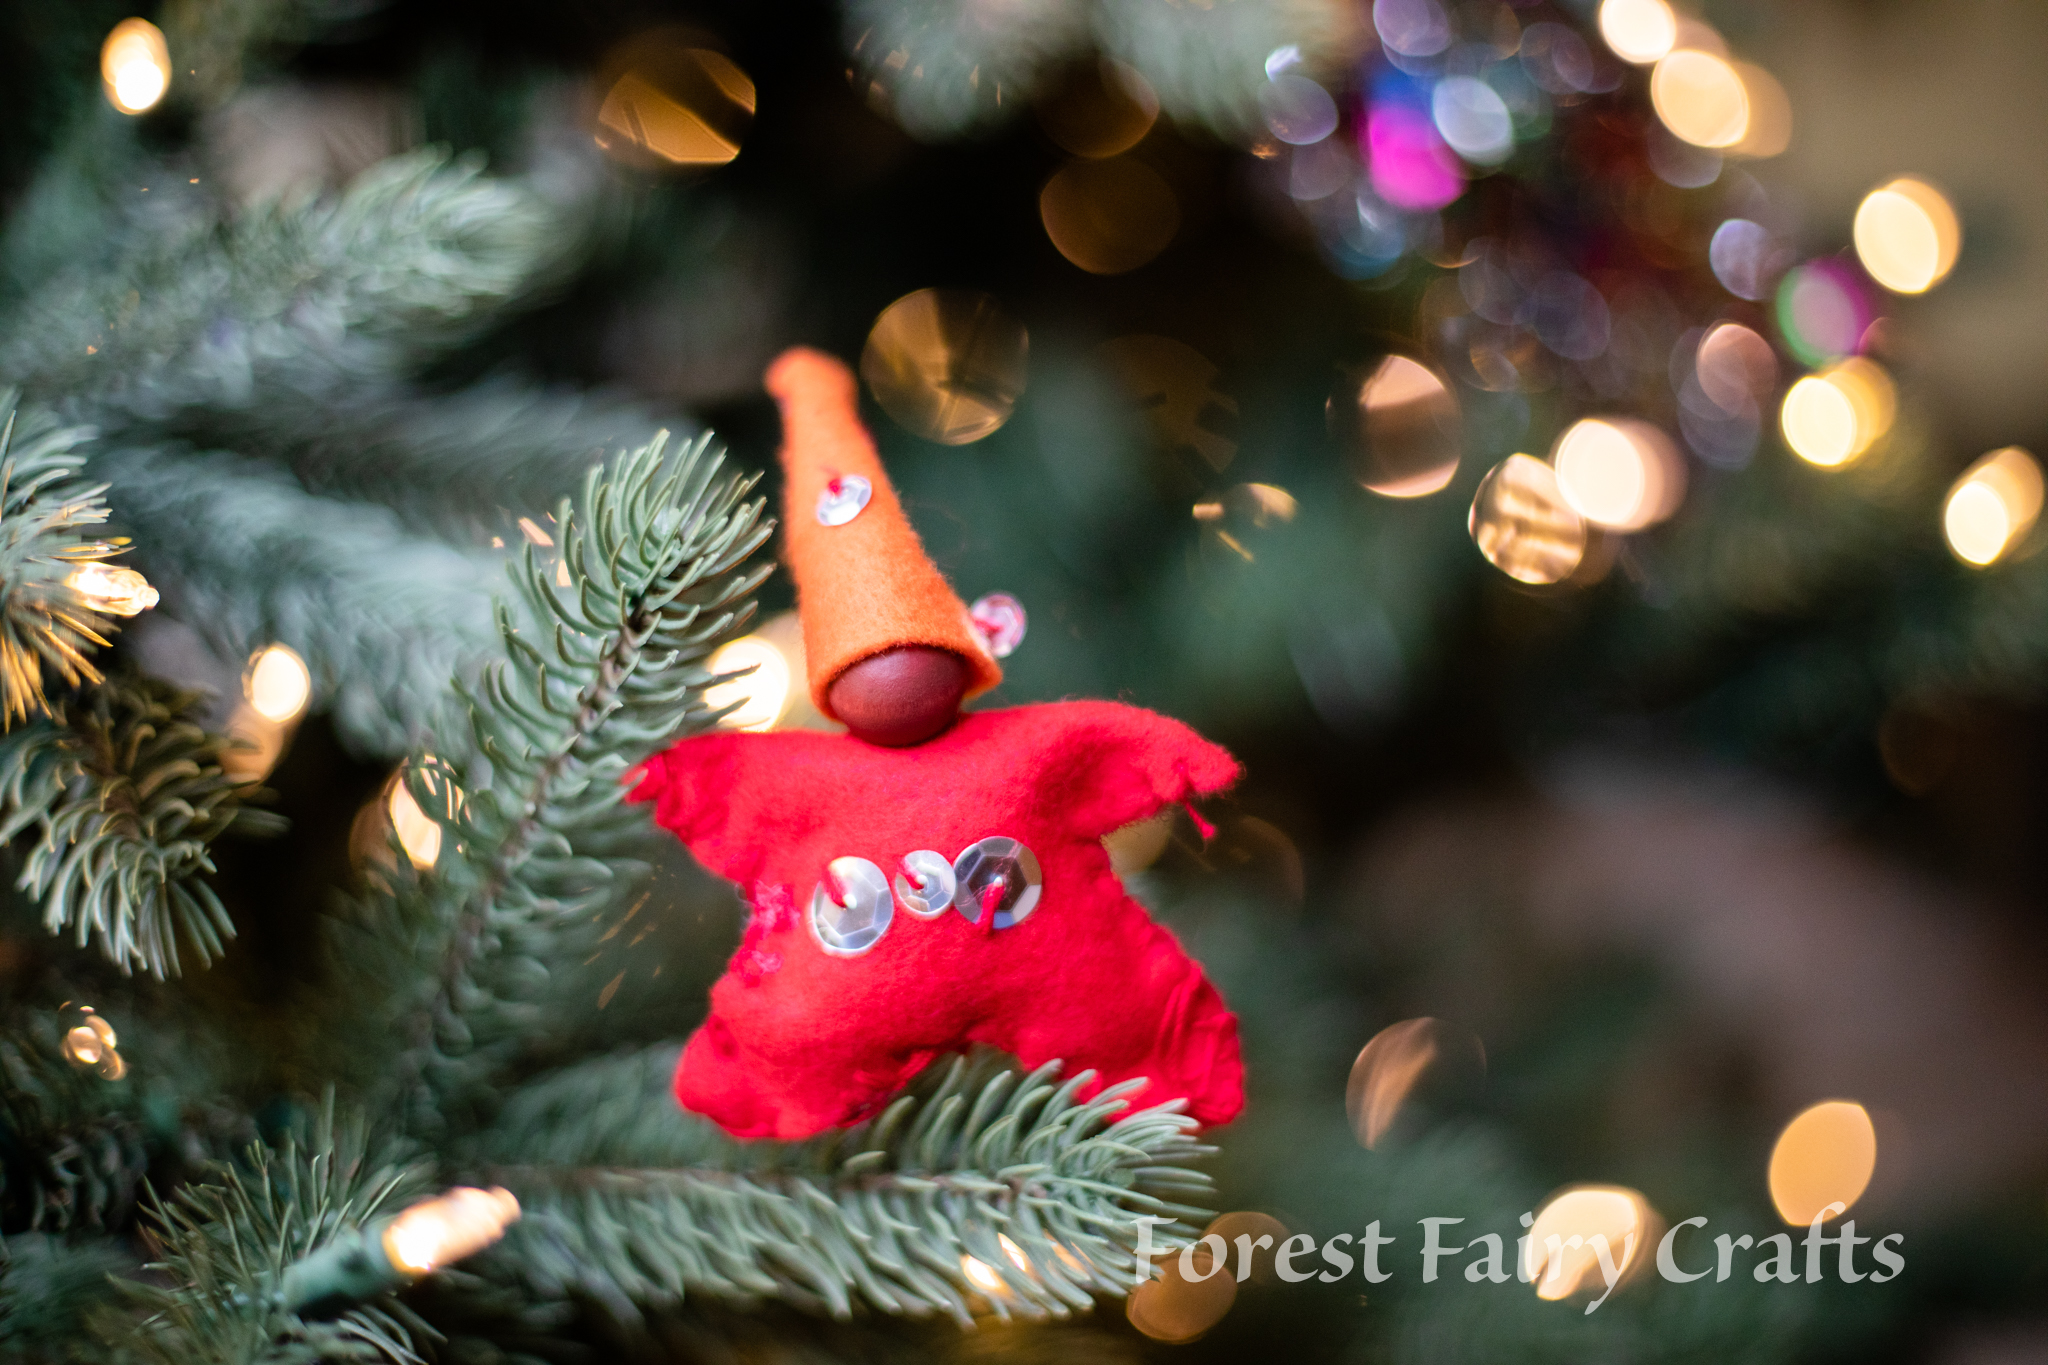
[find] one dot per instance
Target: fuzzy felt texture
(799, 1041)
(867, 585)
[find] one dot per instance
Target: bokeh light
(277, 683)
(1100, 109)
(1735, 366)
(1832, 417)
(1992, 507)
(1473, 119)
(1826, 1155)
(1410, 165)
(1407, 1065)
(1108, 217)
(763, 695)
(1413, 28)
(1824, 310)
(1639, 31)
(1618, 473)
(1522, 524)
(1557, 59)
(419, 834)
(1907, 235)
(947, 364)
(1254, 1225)
(674, 103)
(1001, 622)
(983, 1276)
(112, 589)
(1744, 258)
(89, 1042)
(1400, 427)
(1575, 1217)
(1770, 114)
(1700, 98)
(1174, 386)
(1176, 1308)
(1297, 110)
(135, 66)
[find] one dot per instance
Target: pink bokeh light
(1411, 167)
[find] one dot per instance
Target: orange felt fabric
(868, 585)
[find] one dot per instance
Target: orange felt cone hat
(863, 581)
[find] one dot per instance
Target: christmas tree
(1422, 397)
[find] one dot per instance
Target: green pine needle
(651, 554)
(124, 794)
(44, 507)
(631, 1200)
(225, 1245)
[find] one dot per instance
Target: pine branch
(459, 465)
(381, 616)
(651, 553)
(44, 508)
(48, 1286)
(635, 1203)
(225, 1247)
(125, 795)
(305, 298)
(72, 1154)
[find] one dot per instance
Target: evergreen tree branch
(225, 1247)
(72, 1154)
(635, 1203)
(382, 617)
(650, 554)
(48, 1288)
(306, 297)
(125, 795)
(45, 508)
(459, 465)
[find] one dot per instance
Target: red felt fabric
(799, 1041)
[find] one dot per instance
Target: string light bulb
(110, 589)
(135, 66)
(277, 684)
(418, 833)
(983, 1276)
(457, 1223)
(89, 1042)
(360, 1263)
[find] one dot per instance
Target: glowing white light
(116, 591)
(1473, 119)
(135, 66)
(458, 1223)
(278, 685)
(1907, 236)
(1639, 31)
(761, 694)
(1993, 506)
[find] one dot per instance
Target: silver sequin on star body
(1000, 874)
(925, 886)
(855, 919)
(843, 499)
